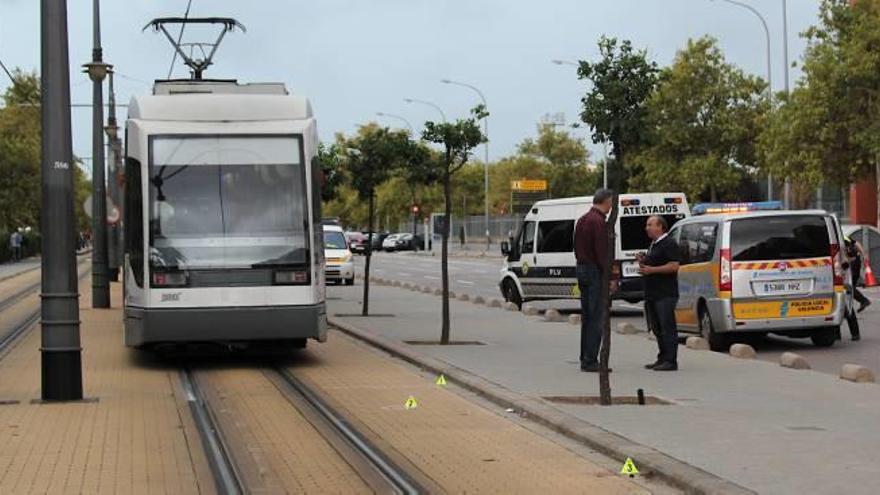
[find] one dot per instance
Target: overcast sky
(354, 58)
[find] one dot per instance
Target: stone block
(438, 292)
(427, 290)
(396, 283)
(552, 315)
(743, 351)
(464, 297)
(509, 306)
(856, 373)
(792, 360)
(697, 343)
(479, 300)
(494, 303)
(529, 310)
(574, 319)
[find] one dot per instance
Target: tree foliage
(614, 107)
(703, 118)
(828, 130)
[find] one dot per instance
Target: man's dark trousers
(661, 315)
(589, 280)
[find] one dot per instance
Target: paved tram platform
(134, 432)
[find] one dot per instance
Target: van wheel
(511, 293)
(717, 342)
(349, 281)
(825, 337)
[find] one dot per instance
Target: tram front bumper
(239, 324)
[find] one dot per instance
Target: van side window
(698, 242)
(528, 238)
(556, 236)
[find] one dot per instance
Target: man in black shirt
(660, 270)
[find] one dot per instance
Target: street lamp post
(769, 71)
(428, 103)
(97, 71)
(60, 351)
(486, 162)
(114, 147)
(398, 117)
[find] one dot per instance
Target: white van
(540, 260)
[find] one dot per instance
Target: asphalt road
(479, 276)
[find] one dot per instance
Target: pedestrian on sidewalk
(855, 254)
(659, 267)
(15, 245)
(591, 252)
(461, 236)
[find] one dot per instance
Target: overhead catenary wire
(179, 38)
(9, 74)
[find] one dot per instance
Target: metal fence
(500, 228)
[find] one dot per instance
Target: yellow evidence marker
(575, 290)
(441, 380)
(411, 403)
(629, 468)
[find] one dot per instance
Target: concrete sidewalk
(767, 428)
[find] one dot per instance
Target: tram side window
(134, 219)
(317, 197)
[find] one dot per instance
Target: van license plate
(781, 287)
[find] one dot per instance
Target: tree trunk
(444, 262)
(365, 307)
(605, 349)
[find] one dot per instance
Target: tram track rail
(376, 469)
(22, 326)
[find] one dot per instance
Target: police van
(540, 261)
(752, 268)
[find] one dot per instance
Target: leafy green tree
(332, 167)
(458, 139)
(564, 160)
(615, 109)
(703, 119)
(20, 153)
(828, 130)
(371, 157)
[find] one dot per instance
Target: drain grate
(593, 400)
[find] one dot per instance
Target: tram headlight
(291, 277)
(169, 279)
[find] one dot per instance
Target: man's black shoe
(592, 368)
(856, 337)
(863, 306)
(666, 367)
(653, 365)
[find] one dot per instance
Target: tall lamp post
(769, 72)
(396, 117)
(486, 162)
(60, 351)
(97, 71)
(428, 103)
(114, 146)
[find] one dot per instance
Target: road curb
(677, 473)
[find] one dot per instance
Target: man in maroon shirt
(591, 252)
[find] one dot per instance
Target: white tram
(222, 216)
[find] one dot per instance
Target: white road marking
(465, 282)
(403, 274)
(431, 277)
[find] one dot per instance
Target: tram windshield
(220, 202)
